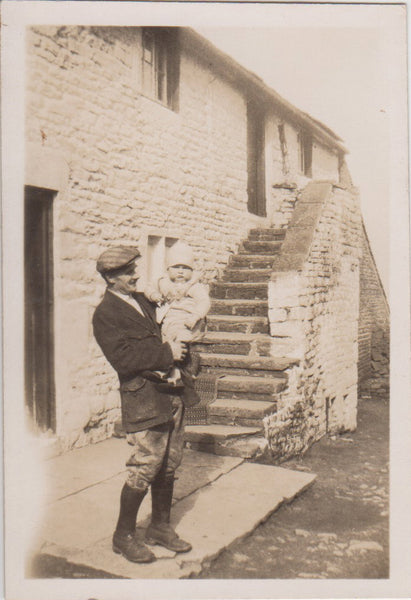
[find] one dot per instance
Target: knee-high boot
(160, 531)
(124, 539)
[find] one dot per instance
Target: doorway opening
(256, 160)
(39, 307)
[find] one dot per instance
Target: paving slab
(211, 517)
(83, 467)
(88, 510)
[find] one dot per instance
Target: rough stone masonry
(132, 170)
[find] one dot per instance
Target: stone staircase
(237, 351)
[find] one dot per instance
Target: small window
(157, 247)
(284, 149)
(160, 65)
(306, 153)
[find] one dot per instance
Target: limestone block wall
(133, 168)
(373, 331)
(314, 312)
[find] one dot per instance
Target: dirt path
(339, 527)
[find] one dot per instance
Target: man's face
(125, 281)
(180, 273)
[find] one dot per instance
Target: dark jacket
(132, 344)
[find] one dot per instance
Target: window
(157, 247)
(306, 153)
(161, 65)
(284, 149)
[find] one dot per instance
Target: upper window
(160, 65)
(306, 153)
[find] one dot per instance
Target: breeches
(155, 449)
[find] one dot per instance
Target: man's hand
(178, 350)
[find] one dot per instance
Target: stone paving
(339, 528)
(217, 500)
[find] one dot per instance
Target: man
(126, 330)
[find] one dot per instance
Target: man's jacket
(132, 344)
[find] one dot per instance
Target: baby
(183, 303)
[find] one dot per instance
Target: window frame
(160, 65)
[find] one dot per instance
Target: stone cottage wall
(135, 169)
(314, 310)
(373, 331)
(285, 181)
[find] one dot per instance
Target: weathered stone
(257, 385)
(216, 347)
(251, 261)
(289, 262)
(266, 234)
(234, 323)
(241, 307)
(257, 291)
(233, 275)
(260, 247)
(247, 362)
(277, 315)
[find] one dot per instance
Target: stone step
(258, 344)
(242, 371)
(250, 275)
(266, 234)
(251, 261)
(260, 247)
(226, 440)
(254, 363)
(256, 385)
(240, 412)
(252, 291)
(237, 323)
(222, 342)
(242, 308)
(266, 237)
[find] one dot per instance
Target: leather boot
(160, 531)
(125, 541)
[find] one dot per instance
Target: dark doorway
(256, 160)
(38, 272)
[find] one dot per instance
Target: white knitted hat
(180, 254)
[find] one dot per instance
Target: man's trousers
(155, 449)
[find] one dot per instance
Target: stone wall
(314, 311)
(373, 331)
(133, 169)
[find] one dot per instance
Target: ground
(338, 528)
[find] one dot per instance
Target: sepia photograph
(206, 300)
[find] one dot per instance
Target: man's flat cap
(116, 258)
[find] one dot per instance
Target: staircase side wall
(374, 330)
(320, 317)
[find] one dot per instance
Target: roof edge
(235, 72)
